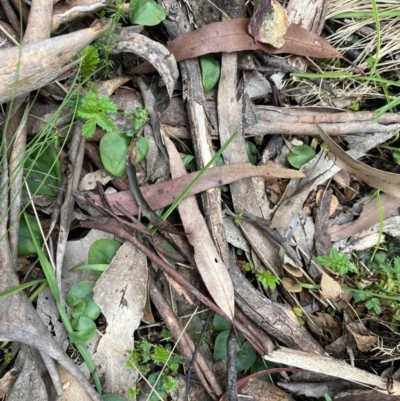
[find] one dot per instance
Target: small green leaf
(26, 245)
(146, 12)
(84, 331)
(42, 167)
(210, 71)
(300, 155)
(90, 60)
(252, 152)
(375, 305)
(267, 279)
(88, 128)
(102, 251)
(220, 324)
(113, 149)
(246, 354)
(142, 149)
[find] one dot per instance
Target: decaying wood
(310, 15)
(41, 62)
(294, 120)
(200, 128)
(332, 367)
(271, 316)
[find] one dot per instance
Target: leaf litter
(305, 312)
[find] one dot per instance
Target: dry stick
(112, 227)
(76, 155)
(273, 234)
(186, 346)
(137, 193)
(231, 366)
(196, 351)
(11, 16)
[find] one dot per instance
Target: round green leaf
(25, 244)
(146, 12)
(246, 354)
(300, 155)
(210, 71)
(252, 152)
(42, 167)
(142, 149)
(102, 251)
(84, 331)
(113, 149)
(220, 324)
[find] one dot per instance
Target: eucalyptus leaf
(146, 12)
(113, 149)
(300, 155)
(210, 71)
(42, 166)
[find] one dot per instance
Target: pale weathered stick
(330, 366)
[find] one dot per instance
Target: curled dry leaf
(208, 261)
(387, 182)
(41, 62)
(69, 10)
(232, 36)
(290, 266)
(291, 285)
(362, 336)
(155, 53)
(330, 288)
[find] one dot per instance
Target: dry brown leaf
(387, 182)
(290, 266)
(365, 341)
(163, 194)
(291, 285)
(368, 218)
(232, 36)
(121, 300)
(41, 62)
(209, 263)
(330, 288)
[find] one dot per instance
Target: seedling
(93, 110)
(143, 356)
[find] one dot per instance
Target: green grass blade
(21, 287)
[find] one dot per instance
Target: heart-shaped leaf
(300, 155)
